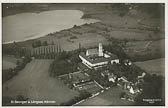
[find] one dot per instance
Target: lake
(27, 26)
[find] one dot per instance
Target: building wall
(85, 61)
(90, 65)
(106, 55)
(116, 61)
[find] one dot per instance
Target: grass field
(34, 82)
(110, 97)
(8, 62)
(147, 49)
(156, 66)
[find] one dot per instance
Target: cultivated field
(8, 62)
(110, 97)
(156, 66)
(35, 83)
(147, 49)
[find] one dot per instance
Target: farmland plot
(156, 66)
(110, 97)
(34, 83)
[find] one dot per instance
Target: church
(97, 57)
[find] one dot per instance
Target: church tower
(100, 49)
(87, 53)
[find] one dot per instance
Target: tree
(52, 43)
(45, 43)
(17, 62)
(79, 46)
(153, 88)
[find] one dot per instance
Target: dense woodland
(64, 63)
(153, 88)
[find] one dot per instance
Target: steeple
(100, 49)
(87, 53)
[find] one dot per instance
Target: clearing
(110, 97)
(35, 83)
(156, 66)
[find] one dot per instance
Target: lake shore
(41, 24)
(111, 26)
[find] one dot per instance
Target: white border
(94, 1)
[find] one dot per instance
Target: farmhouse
(94, 58)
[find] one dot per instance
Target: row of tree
(39, 43)
(47, 50)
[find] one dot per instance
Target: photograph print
(83, 54)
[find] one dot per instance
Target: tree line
(82, 95)
(39, 43)
(11, 72)
(64, 63)
(153, 88)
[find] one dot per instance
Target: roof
(111, 55)
(97, 59)
(93, 51)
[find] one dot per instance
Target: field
(110, 97)
(145, 50)
(91, 87)
(8, 62)
(156, 66)
(34, 82)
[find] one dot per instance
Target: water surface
(26, 26)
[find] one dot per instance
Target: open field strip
(109, 97)
(34, 82)
(155, 66)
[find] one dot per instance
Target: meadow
(155, 66)
(109, 97)
(34, 83)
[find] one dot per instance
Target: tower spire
(100, 49)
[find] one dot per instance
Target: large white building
(94, 58)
